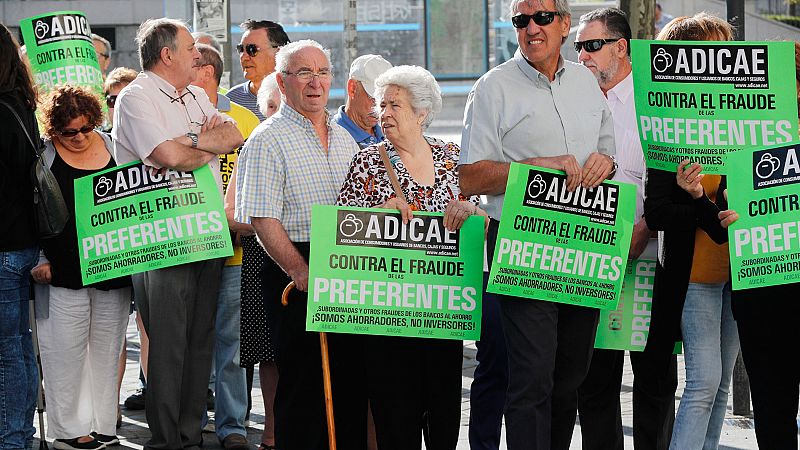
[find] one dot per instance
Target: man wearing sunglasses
(538, 109)
(602, 43)
(260, 42)
(166, 123)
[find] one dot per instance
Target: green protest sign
(561, 246)
(60, 50)
(371, 274)
(131, 220)
(703, 100)
(764, 243)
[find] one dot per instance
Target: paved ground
(737, 432)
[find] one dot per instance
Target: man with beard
(602, 43)
(358, 115)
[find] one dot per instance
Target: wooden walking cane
(326, 373)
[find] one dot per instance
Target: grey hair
(562, 6)
(106, 44)
(422, 88)
(212, 41)
(155, 34)
(268, 85)
(287, 51)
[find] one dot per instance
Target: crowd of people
(275, 151)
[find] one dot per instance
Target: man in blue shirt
(358, 115)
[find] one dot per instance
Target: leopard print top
(368, 185)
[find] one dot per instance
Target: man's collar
(290, 113)
(162, 83)
(355, 131)
(534, 74)
(623, 91)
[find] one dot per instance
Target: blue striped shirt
(241, 95)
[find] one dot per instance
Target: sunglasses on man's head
(540, 18)
(72, 132)
(593, 45)
(111, 100)
(251, 49)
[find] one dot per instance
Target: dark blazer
(676, 216)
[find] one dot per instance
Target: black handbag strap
(38, 149)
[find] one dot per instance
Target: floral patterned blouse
(368, 185)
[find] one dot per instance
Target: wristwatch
(193, 137)
(614, 170)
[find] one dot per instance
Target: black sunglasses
(71, 132)
(251, 49)
(593, 45)
(111, 100)
(540, 18)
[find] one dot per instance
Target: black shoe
(137, 400)
(210, 400)
(73, 444)
(105, 439)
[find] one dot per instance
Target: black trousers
(599, 404)
(549, 349)
(415, 389)
(300, 421)
(767, 323)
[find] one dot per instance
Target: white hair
(287, 51)
(422, 88)
(268, 85)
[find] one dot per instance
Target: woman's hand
(727, 217)
(689, 179)
(41, 273)
(400, 205)
(457, 212)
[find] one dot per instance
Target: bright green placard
(560, 246)
(764, 243)
(370, 274)
(703, 100)
(131, 220)
(60, 50)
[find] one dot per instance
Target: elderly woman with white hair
(269, 95)
(414, 383)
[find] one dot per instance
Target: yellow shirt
(711, 263)
(246, 121)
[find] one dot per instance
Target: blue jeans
(711, 343)
(18, 373)
(231, 384)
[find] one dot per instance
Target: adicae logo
(537, 186)
(41, 29)
(103, 187)
(662, 61)
(767, 166)
(350, 225)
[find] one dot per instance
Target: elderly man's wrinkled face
(361, 106)
(541, 44)
(185, 59)
(255, 68)
(398, 117)
(603, 63)
(308, 82)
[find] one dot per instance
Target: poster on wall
(562, 246)
(211, 16)
(131, 219)
(369, 273)
(60, 51)
(703, 100)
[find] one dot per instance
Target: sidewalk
(737, 432)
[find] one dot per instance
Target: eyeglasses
(72, 132)
(593, 45)
(306, 75)
(251, 49)
(195, 125)
(540, 18)
(111, 100)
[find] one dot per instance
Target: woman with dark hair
(82, 329)
(18, 250)
(692, 292)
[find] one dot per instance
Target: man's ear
(351, 87)
(281, 84)
(166, 56)
(622, 47)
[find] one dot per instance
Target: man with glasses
(297, 159)
(541, 110)
(166, 123)
(230, 381)
(358, 115)
(103, 49)
(602, 43)
(257, 49)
